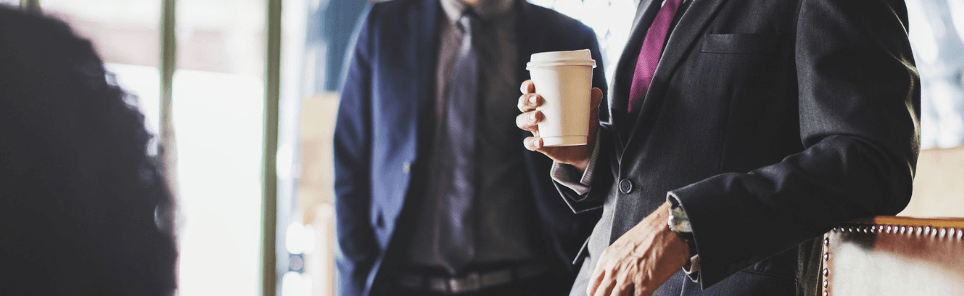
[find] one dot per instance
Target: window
(937, 36)
(218, 100)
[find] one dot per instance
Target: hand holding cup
(577, 156)
(564, 118)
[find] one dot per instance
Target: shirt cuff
(692, 268)
(564, 174)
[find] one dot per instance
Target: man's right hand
(576, 156)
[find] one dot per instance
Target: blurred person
(83, 210)
(740, 131)
(434, 195)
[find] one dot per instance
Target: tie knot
(468, 20)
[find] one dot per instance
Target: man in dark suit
(741, 130)
(434, 194)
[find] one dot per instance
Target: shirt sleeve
(565, 174)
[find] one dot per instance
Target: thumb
(595, 98)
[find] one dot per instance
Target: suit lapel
(645, 13)
(680, 42)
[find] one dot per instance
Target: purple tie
(651, 51)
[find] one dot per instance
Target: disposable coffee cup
(564, 80)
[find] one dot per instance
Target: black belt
(469, 282)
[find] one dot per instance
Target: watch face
(678, 222)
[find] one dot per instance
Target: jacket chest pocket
(739, 43)
(743, 67)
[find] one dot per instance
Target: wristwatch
(680, 224)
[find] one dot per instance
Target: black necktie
(455, 236)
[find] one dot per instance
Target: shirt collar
(486, 8)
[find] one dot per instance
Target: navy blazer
(388, 92)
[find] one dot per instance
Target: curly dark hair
(83, 208)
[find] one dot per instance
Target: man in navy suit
(740, 131)
(434, 194)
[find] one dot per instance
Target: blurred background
(243, 94)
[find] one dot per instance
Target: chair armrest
(894, 256)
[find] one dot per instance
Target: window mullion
(272, 93)
(167, 152)
(30, 5)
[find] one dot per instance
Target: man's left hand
(641, 260)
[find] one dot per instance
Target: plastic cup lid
(580, 57)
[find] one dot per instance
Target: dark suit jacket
(388, 93)
(770, 121)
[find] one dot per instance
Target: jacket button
(625, 186)
(407, 167)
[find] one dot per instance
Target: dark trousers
(542, 285)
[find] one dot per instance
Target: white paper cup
(564, 80)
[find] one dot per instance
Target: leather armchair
(894, 256)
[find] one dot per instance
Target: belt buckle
(411, 281)
(470, 282)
